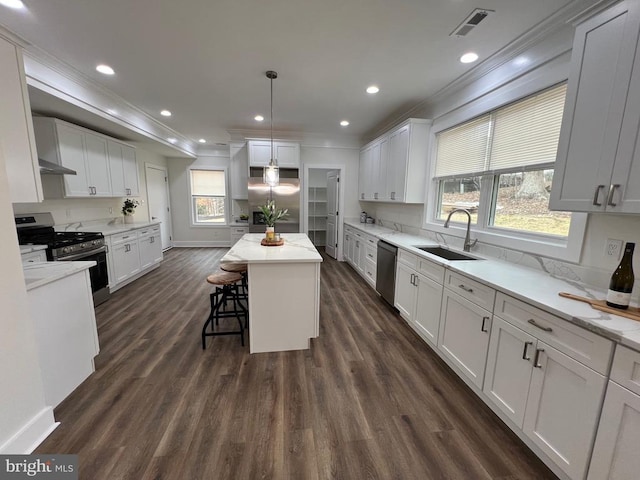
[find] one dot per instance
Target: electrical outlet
(613, 248)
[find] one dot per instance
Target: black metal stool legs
(218, 300)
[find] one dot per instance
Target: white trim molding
(32, 434)
(197, 244)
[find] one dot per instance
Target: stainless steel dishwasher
(386, 271)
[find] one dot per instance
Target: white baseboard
(32, 434)
(212, 243)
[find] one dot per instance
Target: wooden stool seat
(224, 278)
(234, 267)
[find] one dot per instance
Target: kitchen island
(284, 291)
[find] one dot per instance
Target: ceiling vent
(471, 22)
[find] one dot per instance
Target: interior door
(333, 179)
(158, 193)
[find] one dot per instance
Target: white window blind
(516, 137)
(526, 133)
(463, 149)
(208, 183)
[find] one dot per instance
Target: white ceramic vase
(128, 219)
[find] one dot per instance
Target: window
(208, 197)
(500, 168)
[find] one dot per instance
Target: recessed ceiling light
(258, 118)
(373, 89)
(165, 113)
(105, 69)
(344, 123)
(469, 57)
(202, 140)
(172, 140)
(17, 4)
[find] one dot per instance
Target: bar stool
(226, 291)
(240, 268)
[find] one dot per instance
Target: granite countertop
(31, 248)
(297, 248)
(535, 287)
(39, 274)
(106, 228)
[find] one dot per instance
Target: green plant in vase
(128, 209)
(271, 215)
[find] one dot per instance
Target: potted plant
(271, 216)
(128, 209)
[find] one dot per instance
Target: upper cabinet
(286, 154)
(105, 167)
(393, 167)
(239, 171)
(598, 163)
(16, 130)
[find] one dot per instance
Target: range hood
(50, 168)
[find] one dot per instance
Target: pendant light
(271, 174)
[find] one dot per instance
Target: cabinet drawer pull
(484, 321)
(612, 190)
(596, 195)
(124, 238)
(533, 322)
(466, 289)
(537, 357)
(524, 352)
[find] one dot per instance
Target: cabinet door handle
(596, 195)
(128, 191)
(484, 321)
(466, 289)
(393, 195)
(612, 190)
(524, 352)
(362, 196)
(151, 240)
(537, 357)
(375, 195)
(533, 322)
(369, 255)
(411, 281)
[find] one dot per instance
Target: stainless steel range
(37, 229)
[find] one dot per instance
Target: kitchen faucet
(467, 239)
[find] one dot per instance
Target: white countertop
(529, 285)
(31, 248)
(297, 248)
(42, 273)
(106, 228)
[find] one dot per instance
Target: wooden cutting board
(632, 313)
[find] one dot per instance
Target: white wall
(24, 418)
(184, 234)
(71, 210)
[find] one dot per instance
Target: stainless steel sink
(446, 253)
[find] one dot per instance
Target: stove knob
(66, 250)
(95, 242)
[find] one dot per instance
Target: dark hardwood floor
(369, 400)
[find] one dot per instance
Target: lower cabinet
(133, 253)
(237, 233)
(361, 252)
(615, 455)
(553, 398)
(464, 335)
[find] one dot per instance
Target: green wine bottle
(621, 283)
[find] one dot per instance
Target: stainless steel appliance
(37, 229)
(386, 271)
(285, 195)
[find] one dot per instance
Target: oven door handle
(78, 256)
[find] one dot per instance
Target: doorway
(158, 201)
(323, 201)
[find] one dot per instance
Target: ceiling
(206, 60)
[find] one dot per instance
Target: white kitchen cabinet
(348, 244)
(150, 246)
(237, 233)
(615, 454)
(78, 149)
(393, 167)
(123, 169)
(126, 257)
(598, 163)
(464, 335)
(239, 169)
(562, 408)
(16, 128)
(509, 368)
(287, 154)
(405, 291)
